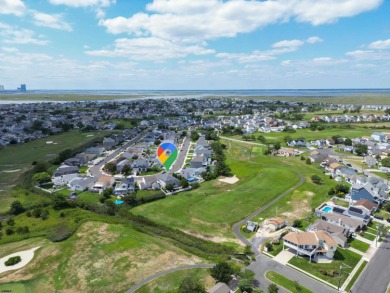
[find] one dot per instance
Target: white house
(311, 244)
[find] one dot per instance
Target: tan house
(366, 204)
(311, 244)
(103, 183)
(276, 223)
(288, 152)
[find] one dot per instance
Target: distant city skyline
(190, 45)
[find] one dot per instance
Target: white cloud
(368, 55)
(380, 45)
(278, 48)
(9, 49)
(54, 21)
(83, 3)
(288, 43)
(194, 21)
(314, 39)
(154, 49)
(15, 7)
(15, 35)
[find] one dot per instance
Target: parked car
(378, 217)
(349, 165)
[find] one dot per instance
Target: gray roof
(219, 288)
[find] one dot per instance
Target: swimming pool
(119, 202)
(326, 209)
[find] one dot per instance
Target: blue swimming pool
(119, 202)
(326, 209)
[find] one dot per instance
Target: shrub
(13, 260)
(59, 233)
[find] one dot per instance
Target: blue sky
(194, 44)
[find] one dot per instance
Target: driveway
(181, 158)
(284, 256)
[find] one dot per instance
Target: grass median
(290, 285)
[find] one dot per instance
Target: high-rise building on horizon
(22, 88)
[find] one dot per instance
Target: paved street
(264, 264)
(376, 276)
(95, 170)
(181, 157)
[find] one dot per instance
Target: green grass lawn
(119, 258)
(368, 236)
(16, 159)
(356, 276)
(313, 135)
(340, 202)
(341, 256)
(276, 249)
(12, 288)
(381, 174)
(286, 283)
(171, 282)
(359, 245)
(83, 170)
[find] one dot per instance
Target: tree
(169, 187)
(386, 207)
(222, 272)
(110, 167)
(316, 179)
(297, 223)
(277, 145)
(157, 142)
(194, 135)
(41, 177)
(245, 137)
(59, 203)
(302, 158)
(126, 170)
(308, 161)
(245, 285)
(273, 288)
(16, 208)
(191, 285)
(287, 138)
(261, 139)
(348, 141)
(184, 183)
(107, 192)
(386, 162)
(361, 149)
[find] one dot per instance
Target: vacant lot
(119, 258)
(171, 282)
(16, 159)
(212, 209)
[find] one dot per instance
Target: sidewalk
(364, 239)
(352, 274)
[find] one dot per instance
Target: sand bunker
(26, 256)
(230, 180)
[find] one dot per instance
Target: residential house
(288, 152)
(296, 143)
(197, 162)
(370, 161)
(276, 223)
(97, 151)
(330, 141)
(311, 244)
(165, 179)
(81, 183)
(367, 191)
(148, 182)
(126, 186)
(352, 225)
(188, 173)
(65, 170)
(103, 183)
(366, 205)
(219, 288)
(339, 234)
(252, 226)
(378, 136)
(317, 157)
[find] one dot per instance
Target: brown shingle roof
(366, 203)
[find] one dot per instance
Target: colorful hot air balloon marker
(167, 154)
